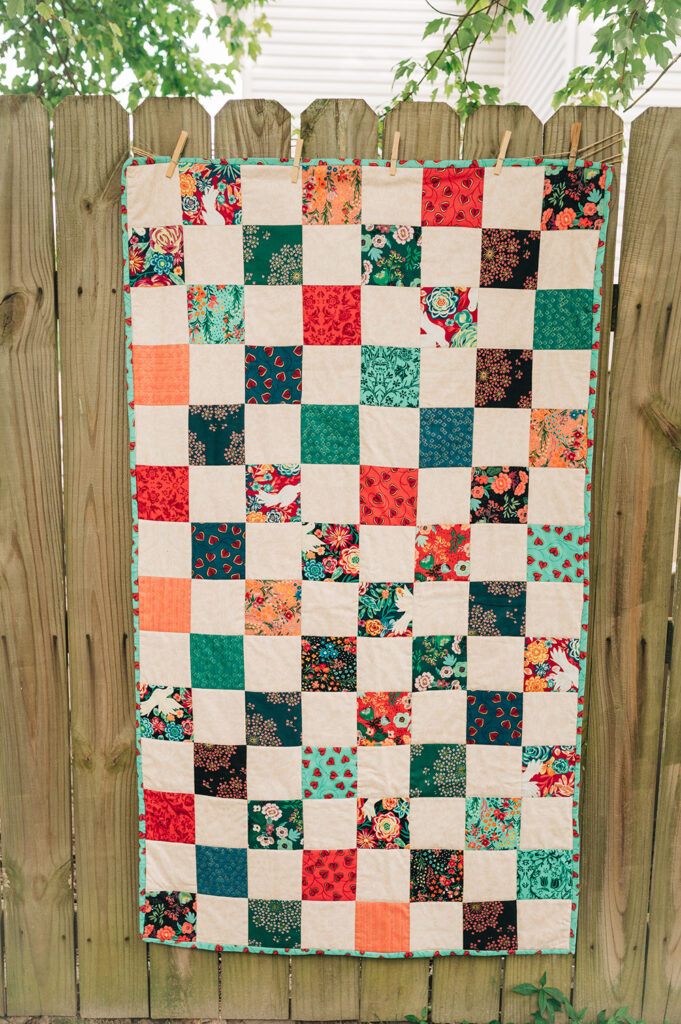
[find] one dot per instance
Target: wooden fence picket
(252, 128)
(341, 128)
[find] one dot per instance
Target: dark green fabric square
(274, 924)
(563, 318)
(217, 662)
(437, 769)
(330, 434)
(273, 254)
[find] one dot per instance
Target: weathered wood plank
(182, 982)
(98, 530)
(466, 988)
(393, 988)
(35, 804)
(485, 127)
(253, 128)
(428, 131)
(343, 128)
(629, 618)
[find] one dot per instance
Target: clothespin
(177, 153)
(505, 139)
(393, 155)
(296, 160)
(575, 132)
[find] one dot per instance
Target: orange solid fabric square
(165, 604)
(161, 374)
(382, 927)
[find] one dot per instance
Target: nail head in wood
(296, 160)
(393, 155)
(177, 153)
(575, 132)
(505, 139)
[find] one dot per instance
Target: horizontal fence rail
(67, 739)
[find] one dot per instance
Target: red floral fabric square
(387, 495)
(163, 493)
(331, 315)
(169, 817)
(329, 874)
(452, 196)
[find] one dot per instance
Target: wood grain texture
(629, 617)
(393, 988)
(342, 128)
(255, 986)
(98, 532)
(35, 805)
(182, 982)
(158, 121)
(519, 969)
(466, 988)
(428, 131)
(253, 128)
(485, 127)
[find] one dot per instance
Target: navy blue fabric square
(446, 438)
(494, 716)
(218, 551)
(274, 376)
(221, 871)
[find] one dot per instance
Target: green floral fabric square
(386, 609)
(273, 254)
(439, 662)
(274, 924)
(492, 823)
(390, 376)
(391, 255)
(330, 434)
(216, 314)
(273, 719)
(437, 769)
(544, 874)
(275, 824)
(563, 318)
(217, 662)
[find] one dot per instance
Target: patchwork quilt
(361, 417)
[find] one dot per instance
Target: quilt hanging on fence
(361, 412)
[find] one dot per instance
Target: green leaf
(525, 989)
(44, 10)
(543, 979)
(15, 9)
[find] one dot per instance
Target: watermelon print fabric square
(366, 497)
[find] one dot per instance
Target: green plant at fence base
(629, 39)
(550, 1001)
(138, 47)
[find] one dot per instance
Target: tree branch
(654, 83)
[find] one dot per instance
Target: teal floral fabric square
(385, 609)
(544, 874)
(217, 662)
(390, 376)
(221, 871)
(156, 257)
(391, 255)
(273, 254)
(330, 434)
(492, 822)
(556, 553)
(439, 662)
(563, 318)
(215, 314)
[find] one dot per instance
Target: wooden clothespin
(177, 153)
(575, 132)
(296, 160)
(393, 155)
(505, 139)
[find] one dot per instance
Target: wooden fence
(68, 802)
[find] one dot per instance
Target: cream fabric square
(334, 929)
(329, 824)
(273, 773)
(329, 609)
(275, 874)
(447, 378)
(382, 771)
(170, 867)
(435, 926)
(386, 553)
(450, 257)
(213, 254)
(498, 551)
(329, 719)
(329, 494)
(272, 663)
(218, 606)
(331, 374)
(513, 199)
(438, 716)
(221, 822)
(161, 435)
(388, 437)
(437, 823)
(268, 196)
(391, 198)
(216, 375)
(496, 662)
(560, 378)
(501, 437)
(506, 318)
(489, 875)
(159, 316)
(549, 718)
(165, 549)
(273, 316)
(332, 254)
(493, 770)
(440, 608)
(164, 658)
(217, 916)
(390, 316)
(546, 823)
(383, 876)
(273, 551)
(567, 259)
(444, 496)
(272, 433)
(219, 716)
(383, 663)
(544, 924)
(167, 767)
(217, 494)
(556, 496)
(554, 609)
(152, 199)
